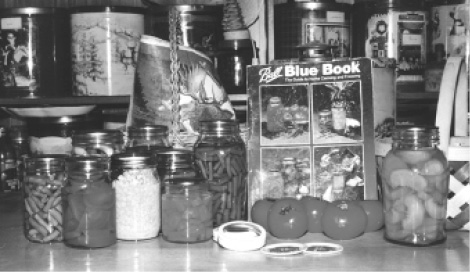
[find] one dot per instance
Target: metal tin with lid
(36, 52)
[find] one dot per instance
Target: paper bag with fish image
(201, 96)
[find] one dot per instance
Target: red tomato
(314, 208)
(259, 212)
(375, 214)
(343, 220)
(287, 219)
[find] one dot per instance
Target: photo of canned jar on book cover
(327, 172)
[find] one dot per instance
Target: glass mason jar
(176, 163)
(221, 158)
(137, 186)
(289, 175)
(147, 137)
(98, 142)
(275, 115)
(89, 204)
(186, 211)
(44, 177)
(415, 181)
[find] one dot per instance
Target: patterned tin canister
(34, 52)
(450, 26)
(321, 21)
(105, 43)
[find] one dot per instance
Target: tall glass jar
(221, 158)
(97, 142)
(89, 203)
(186, 211)
(275, 115)
(176, 163)
(147, 137)
(19, 138)
(415, 181)
(135, 179)
(44, 177)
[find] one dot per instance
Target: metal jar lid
(314, 51)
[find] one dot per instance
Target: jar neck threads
(148, 132)
(415, 137)
(219, 128)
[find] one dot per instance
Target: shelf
(65, 101)
(418, 95)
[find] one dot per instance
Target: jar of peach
(415, 181)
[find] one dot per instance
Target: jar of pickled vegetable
(176, 163)
(415, 180)
(137, 186)
(275, 115)
(43, 179)
(98, 142)
(220, 156)
(186, 211)
(89, 204)
(149, 137)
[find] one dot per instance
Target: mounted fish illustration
(201, 96)
(209, 100)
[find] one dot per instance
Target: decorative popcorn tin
(312, 128)
(105, 44)
(34, 59)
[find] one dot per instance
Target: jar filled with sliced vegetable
(220, 155)
(135, 179)
(89, 204)
(415, 182)
(44, 177)
(186, 211)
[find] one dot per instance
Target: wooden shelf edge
(65, 101)
(418, 95)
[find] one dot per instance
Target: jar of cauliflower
(415, 181)
(138, 197)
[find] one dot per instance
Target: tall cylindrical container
(415, 183)
(220, 155)
(394, 29)
(323, 21)
(449, 24)
(135, 179)
(232, 57)
(44, 178)
(201, 25)
(89, 204)
(183, 197)
(105, 45)
(35, 59)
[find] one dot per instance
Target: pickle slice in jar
(99, 195)
(390, 164)
(414, 156)
(408, 178)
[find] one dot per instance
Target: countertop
(368, 252)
